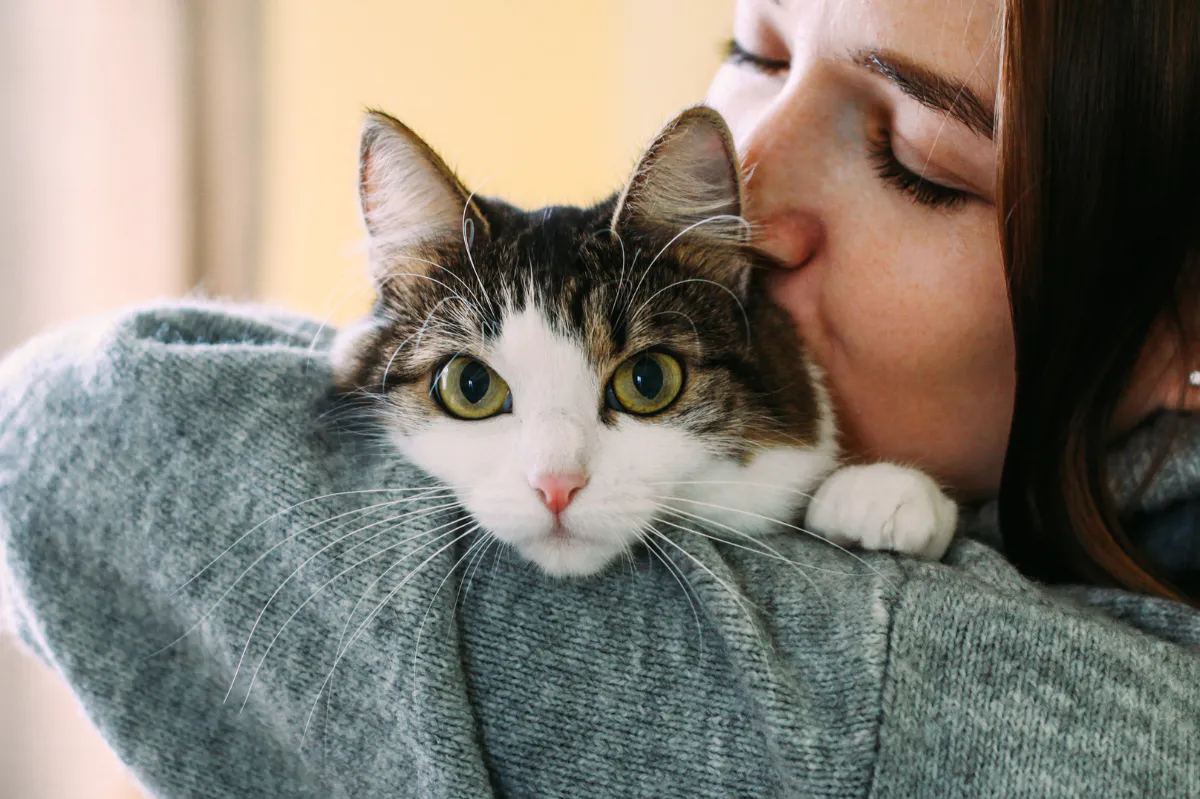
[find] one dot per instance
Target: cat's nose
(557, 490)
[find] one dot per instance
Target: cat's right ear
(409, 198)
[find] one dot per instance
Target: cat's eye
(645, 384)
(470, 389)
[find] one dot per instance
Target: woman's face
(866, 130)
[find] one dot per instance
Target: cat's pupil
(474, 382)
(648, 377)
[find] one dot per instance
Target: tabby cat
(581, 377)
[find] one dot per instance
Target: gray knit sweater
(136, 450)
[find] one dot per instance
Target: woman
(873, 129)
(915, 166)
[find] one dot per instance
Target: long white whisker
(330, 581)
(288, 509)
(225, 594)
(367, 621)
(734, 594)
(421, 628)
(817, 536)
(770, 552)
(420, 513)
(655, 549)
(807, 579)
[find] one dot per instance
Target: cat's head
(585, 378)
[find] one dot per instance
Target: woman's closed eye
(739, 55)
(916, 185)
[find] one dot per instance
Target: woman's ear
(1167, 374)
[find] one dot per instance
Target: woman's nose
(782, 161)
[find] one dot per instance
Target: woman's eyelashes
(895, 174)
(738, 55)
(883, 158)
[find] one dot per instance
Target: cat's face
(584, 378)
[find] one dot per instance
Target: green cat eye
(645, 384)
(470, 389)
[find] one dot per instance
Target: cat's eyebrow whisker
(815, 535)
(418, 335)
(468, 239)
(322, 587)
(699, 341)
(452, 274)
(291, 508)
(418, 514)
(358, 632)
(655, 549)
(726, 289)
(688, 229)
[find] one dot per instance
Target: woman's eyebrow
(931, 90)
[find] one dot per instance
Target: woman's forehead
(956, 39)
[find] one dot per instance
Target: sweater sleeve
(252, 597)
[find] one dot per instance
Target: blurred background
(161, 148)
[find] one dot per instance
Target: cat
(583, 378)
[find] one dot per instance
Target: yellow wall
(546, 100)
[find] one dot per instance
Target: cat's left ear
(689, 179)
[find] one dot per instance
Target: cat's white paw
(884, 506)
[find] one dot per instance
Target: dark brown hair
(1099, 205)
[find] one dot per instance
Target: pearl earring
(1194, 379)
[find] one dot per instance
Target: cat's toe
(884, 506)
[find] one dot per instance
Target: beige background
(151, 146)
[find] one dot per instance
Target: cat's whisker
(655, 550)
(322, 587)
(417, 514)
(417, 335)
(289, 509)
(421, 628)
(468, 239)
(225, 594)
(726, 289)
(739, 599)
(699, 341)
(358, 632)
(781, 523)
(467, 286)
(676, 237)
(772, 553)
(767, 550)
(473, 568)
(462, 523)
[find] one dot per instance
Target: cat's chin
(569, 556)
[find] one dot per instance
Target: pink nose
(557, 490)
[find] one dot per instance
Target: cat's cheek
(763, 496)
